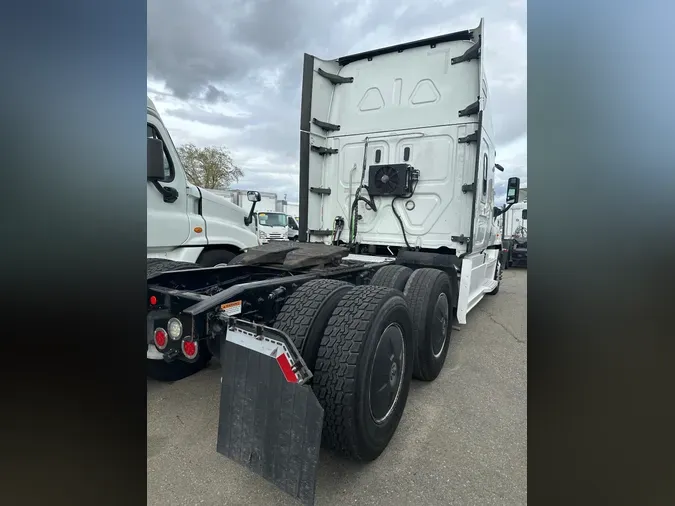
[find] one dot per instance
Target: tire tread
(300, 310)
(417, 291)
(392, 276)
(336, 366)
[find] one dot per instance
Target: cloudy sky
(228, 72)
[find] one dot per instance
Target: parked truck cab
(186, 224)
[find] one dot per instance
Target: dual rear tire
(358, 341)
(364, 345)
(429, 296)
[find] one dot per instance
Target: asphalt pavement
(462, 439)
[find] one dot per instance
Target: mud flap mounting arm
(268, 341)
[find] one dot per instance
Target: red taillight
(161, 338)
(189, 348)
(153, 300)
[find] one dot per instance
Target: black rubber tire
(156, 265)
(213, 257)
(173, 371)
(423, 290)
(392, 276)
(343, 370)
(498, 278)
(305, 314)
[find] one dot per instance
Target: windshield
(272, 219)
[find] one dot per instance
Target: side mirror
(512, 190)
(253, 197)
(155, 159)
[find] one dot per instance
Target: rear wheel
(159, 369)
(211, 258)
(305, 314)
(430, 298)
(363, 371)
(392, 276)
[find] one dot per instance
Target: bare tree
(209, 167)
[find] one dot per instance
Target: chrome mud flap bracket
(270, 420)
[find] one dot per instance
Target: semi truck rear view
(320, 339)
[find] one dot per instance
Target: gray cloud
(248, 54)
(208, 118)
(214, 95)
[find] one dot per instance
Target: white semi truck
(187, 225)
(319, 339)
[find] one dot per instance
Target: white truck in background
(189, 225)
(276, 226)
(514, 236)
(292, 209)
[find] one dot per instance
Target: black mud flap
(270, 420)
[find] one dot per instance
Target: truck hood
(223, 217)
(216, 200)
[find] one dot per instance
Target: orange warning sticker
(231, 308)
